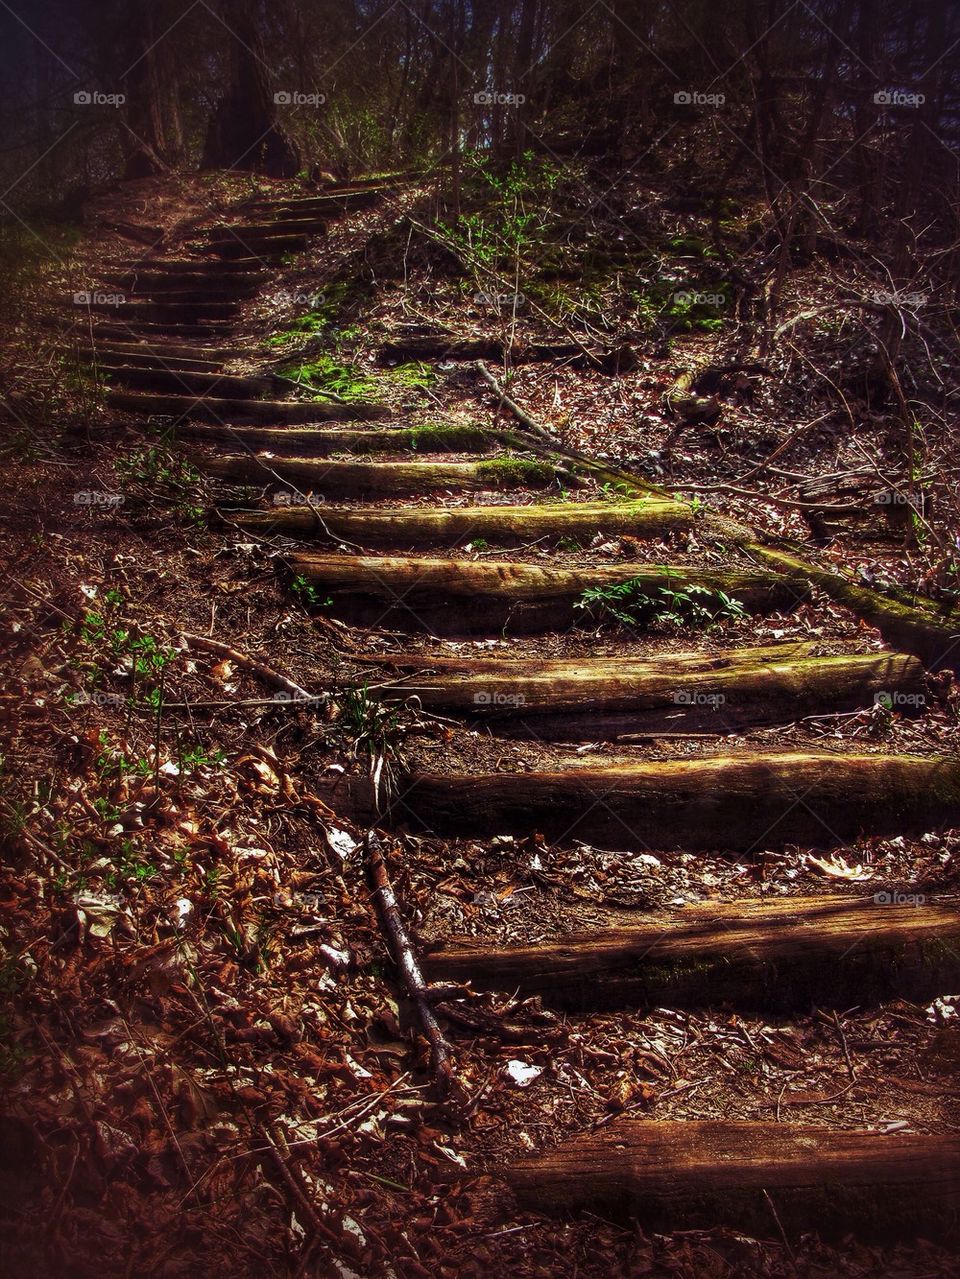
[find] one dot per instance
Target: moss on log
(929, 632)
(505, 525)
(316, 442)
(715, 691)
(356, 479)
(470, 597)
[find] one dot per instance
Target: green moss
(514, 472)
(437, 437)
(327, 375)
(415, 374)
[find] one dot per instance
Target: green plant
(631, 603)
(307, 594)
(372, 729)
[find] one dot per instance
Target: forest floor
(207, 1058)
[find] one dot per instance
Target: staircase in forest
(386, 548)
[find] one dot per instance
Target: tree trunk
(244, 132)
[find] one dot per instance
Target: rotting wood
(471, 596)
(354, 479)
(741, 802)
(723, 691)
(304, 441)
(756, 953)
(929, 632)
(699, 1173)
(505, 525)
(218, 409)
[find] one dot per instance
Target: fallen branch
(401, 949)
(266, 673)
(523, 418)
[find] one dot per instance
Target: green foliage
(630, 603)
(326, 376)
(307, 594)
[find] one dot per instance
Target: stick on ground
(401, 949)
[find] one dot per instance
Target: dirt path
(463, 562)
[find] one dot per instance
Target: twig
(401, 948)
(506, 402)
(248, 663)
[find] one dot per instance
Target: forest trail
(380, 526)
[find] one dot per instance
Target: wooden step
(144, 358)
(744, 802)
(759, 1178)
(180, 381)
(316, 442)
(243, 410)
(485, 597)
(779, 956)
(302, 225)
(196, 284)
(599, 698)
(266, 248)
(145, 331)
(161, 312)
(358, 479)
(495, 349)
(328, 204)
(505, 525)
(203, 268)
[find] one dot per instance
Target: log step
(270, 250)
(419, 526)
(243, 410)
(332, 204)
(602, 697)
(743, 802)
(316, 442)
(470, 597)
(203, 268)
(147, 331)
(143, 358)
(777, 956)
(196, 284)
(753, 1177)
(357, 479)
(180, 381)
(159, 312)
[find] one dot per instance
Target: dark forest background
(822, 102)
